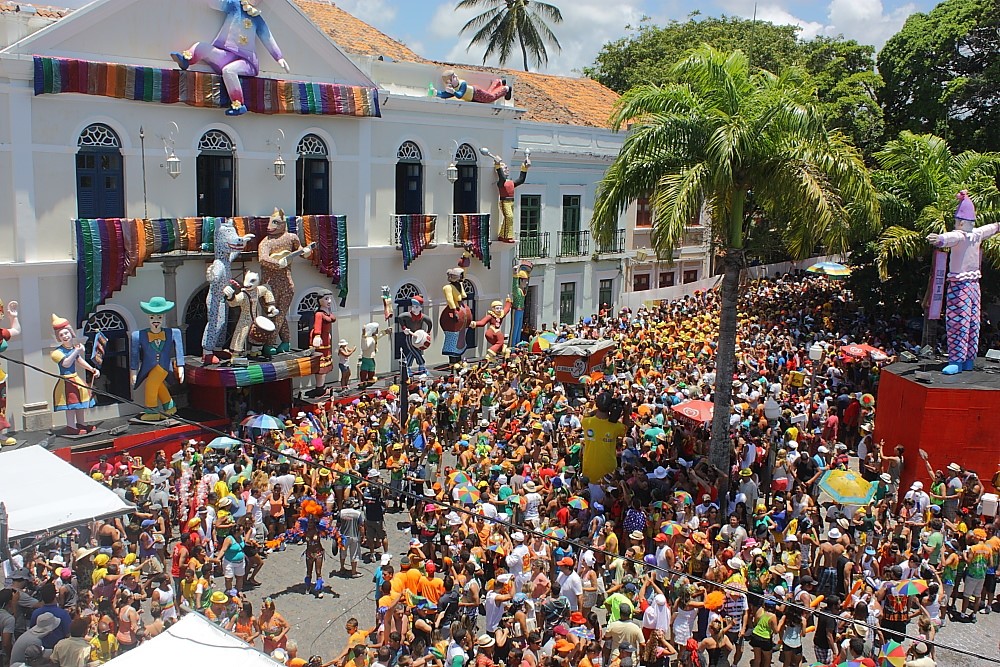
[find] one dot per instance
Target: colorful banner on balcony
(110, 250)
(201, 89)
(415, 232)
(329, 232)
(474, 231)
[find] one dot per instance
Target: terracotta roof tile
(546, 98)
(354, 35)
(43, 11)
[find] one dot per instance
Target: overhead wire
(511, 525)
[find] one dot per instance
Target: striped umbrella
(263, 422)
(684, 497)
(556, 533)
(893, 653)
(467, 495)
(578, 503)
(459, 477)
(911, 587)
(671, 528)
(830, 269)
(541, 342)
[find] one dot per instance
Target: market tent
(193, 640)
(44, 494)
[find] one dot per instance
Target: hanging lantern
(279, 168)
(173, 165)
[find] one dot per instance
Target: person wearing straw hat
(71, 394)
(155, 353)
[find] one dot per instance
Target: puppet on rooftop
(963, 298)
(6, 335)
(455, 88)
(233, 53)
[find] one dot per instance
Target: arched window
(114, 367)
(307, 307)
(216, 175)
(409, 179)
(312, 176)
(100, 174)
(466, 189)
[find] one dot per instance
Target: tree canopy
(842, 70)
(507, 24)
(942, 74)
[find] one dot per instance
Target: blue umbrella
(263, 422)
(223, 442)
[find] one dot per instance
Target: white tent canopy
(193, 640)
(44, 494)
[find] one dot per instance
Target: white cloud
(866, 20)
(586, 26)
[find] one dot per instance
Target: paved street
(318, 625)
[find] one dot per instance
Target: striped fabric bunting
(110, 250)
(201, 89)
(474, 232)
(415, 233)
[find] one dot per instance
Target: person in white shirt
(532, 501)
(516, 560)
(570, 584)
(497, 600)
(920, 498)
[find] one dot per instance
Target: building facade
(71, 156)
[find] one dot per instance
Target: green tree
(509, 22)
(722, 130)
(941, 74)
(843, 70)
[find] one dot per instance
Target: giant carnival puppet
(493, 321)
(522, 274)
(321, 334)
(963, 307)
(72, 393)
(6, 335)
(155, 354)
(455, 317)
(369, 348)
(276, 252)
(416, 330)
(257, 313)
(506, 186)
(233, 53)
(455, 88)
(227, 245)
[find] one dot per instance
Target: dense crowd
(515, 557)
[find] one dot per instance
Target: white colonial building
(130, 150)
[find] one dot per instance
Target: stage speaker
(908, 357)
(926, 352)
(993, 355)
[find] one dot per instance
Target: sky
(431, 27)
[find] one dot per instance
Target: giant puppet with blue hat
(155, 354)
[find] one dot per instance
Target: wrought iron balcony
(533, 246)
(415, 227)
(574, 244)
(614, 246)
(465, 227)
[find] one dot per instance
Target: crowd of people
(517, 558)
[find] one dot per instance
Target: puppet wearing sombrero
(156, 353)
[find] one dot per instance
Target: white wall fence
(649, 297)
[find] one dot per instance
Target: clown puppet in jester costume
(233, 53)
(156, 353)
(963, 307)
(275, 253)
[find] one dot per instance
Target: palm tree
(722, 133)
(917, 183)
(507, 22)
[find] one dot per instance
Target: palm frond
(898, 243)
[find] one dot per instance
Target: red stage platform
(953, 418)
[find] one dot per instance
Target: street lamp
(172, 163)
(279, 163)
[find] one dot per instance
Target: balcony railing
(533, 246)
(465, 227)
(614, 246)
(574, 244)
(409, 225)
